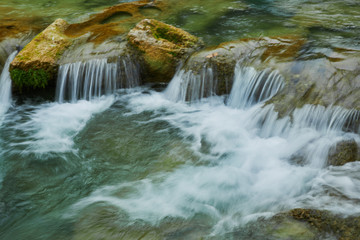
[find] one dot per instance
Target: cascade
(191, 86)
(313, 129)
(322, 119)
(251, 86)
(87, 80)
(5, 86)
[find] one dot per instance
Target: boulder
(162, 46)
(36, 65)
(344, 152)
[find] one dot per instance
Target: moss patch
(32, 78)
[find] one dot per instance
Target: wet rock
(278, 227)
(328, 78)
(36, 65)
(261, 53)
(344, 152)
(162, 46)
(343, 228)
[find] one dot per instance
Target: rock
(343, 228)
(329, 78)
(162, 46)
(344, 152)
(36, 65)
(260, 53)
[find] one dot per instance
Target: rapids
(216, 163)
(108, 158)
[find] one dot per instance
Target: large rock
(36, 65)
(162, 46)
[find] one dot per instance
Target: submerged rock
(163, 47)
(36, 65)
(344, 152)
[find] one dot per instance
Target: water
(5, 87)
(92, 79)
(134, 162)
(109, 159)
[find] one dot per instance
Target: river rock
(344, 152)
(162, 46)
(36, 65)
(343, 228)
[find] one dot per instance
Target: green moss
(167, 34)
(33, 78)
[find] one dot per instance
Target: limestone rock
(36, 65)
(163, 47)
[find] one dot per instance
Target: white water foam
(5, 87)
(53, 126)
(248, 171)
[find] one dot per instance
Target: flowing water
(110, 159)
(135, 163)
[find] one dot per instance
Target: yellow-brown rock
(36, 65)
(163, 46)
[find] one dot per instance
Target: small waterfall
(91, 79)
(191, 86)
(5, 86)
(251, 86)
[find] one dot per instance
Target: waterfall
(91, 79)
(251, 86)
(5, 86)
(191, 86)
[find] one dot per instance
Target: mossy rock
(36, 65)
(163, 47)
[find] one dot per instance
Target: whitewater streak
(92, 79)
(5, 87)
